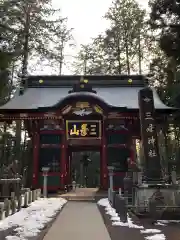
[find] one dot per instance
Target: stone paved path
(78, 221)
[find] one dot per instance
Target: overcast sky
(86, 17)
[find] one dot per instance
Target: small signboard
(83, 129)
(149, 134)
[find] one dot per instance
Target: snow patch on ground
(30, 221)
(166, 222)
(147, 231)
(159, 224)
(114, 216)
(116, 221)
(156, 237)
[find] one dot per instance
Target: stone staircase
(80, 198)
(84, 194)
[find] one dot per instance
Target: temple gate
(67, 114)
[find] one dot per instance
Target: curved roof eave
(75, 95)
(41, 98)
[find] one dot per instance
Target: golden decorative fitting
(82, 105)
(84, 81)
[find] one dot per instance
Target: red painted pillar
(35, 159)
(67, 164)
(66, 173)
(69, 167)
(104, 170)
(63, 160)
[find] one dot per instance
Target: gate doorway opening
(85, 168)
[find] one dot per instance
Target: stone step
(79, 198)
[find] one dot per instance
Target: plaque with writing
(149, 135)
(83, 129)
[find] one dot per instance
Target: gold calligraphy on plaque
(83, 129)
(74, 131)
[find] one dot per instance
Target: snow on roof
(34, 98)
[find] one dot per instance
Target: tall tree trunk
(85, 65)
(24, 72)
(4, 143)
(119, 56)
(139, 53)
(61, 57)
(26, 40)
(127, 56)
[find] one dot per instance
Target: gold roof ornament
(82, 85)
(66, 109)
(98, 109)
(82, 80)
(82, 105)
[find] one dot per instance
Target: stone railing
(14, 204)
(119, 203)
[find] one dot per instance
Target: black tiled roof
(35, 98)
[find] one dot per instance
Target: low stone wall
(13, 205)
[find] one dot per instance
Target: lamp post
(111, 193)
(45, 175)
(111, 173)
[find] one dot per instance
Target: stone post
(149, 137)
(111, 173)
(173, 177)
(111, 185)
(139, 178)
(128, 184)
(45, 175)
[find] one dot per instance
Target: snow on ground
(150, 231)
(165, 222)
(104, 202)
(30, 221)
(156, 237)
(114, 216)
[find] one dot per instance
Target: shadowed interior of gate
(85, 168)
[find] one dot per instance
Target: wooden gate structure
(89, 112)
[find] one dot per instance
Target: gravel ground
(117, 232)
(171, 231)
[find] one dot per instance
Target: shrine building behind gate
(66, 114)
